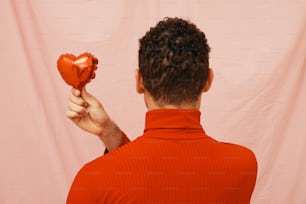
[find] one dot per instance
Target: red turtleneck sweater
(174, 161)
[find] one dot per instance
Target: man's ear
(139, 82)
(209, 81)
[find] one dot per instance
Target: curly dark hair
(174, 61)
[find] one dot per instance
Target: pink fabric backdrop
(257, 100)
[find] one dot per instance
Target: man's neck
(153, 105)
(174, 107)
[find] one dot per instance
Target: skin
(89, 114)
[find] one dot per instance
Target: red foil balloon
(77, 71)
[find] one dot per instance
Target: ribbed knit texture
(174, 161)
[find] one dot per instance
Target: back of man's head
(174, 62)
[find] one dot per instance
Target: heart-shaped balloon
(77, 71)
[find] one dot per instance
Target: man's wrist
(111, 135)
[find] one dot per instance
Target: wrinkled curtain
(257, 100)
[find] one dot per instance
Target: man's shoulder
(236, 147)
(230, 147)
(115, 157)
(239, 154)
(101, 170)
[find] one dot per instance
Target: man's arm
(88, 114)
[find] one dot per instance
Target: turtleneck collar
(172, 120)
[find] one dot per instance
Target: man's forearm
(112, 136)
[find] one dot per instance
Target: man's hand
(88, 113)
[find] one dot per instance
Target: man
(174, 161)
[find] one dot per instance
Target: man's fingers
(83, 98)
(76, 92)
(76, 108)
(77, 100)
(71, 114)
(90, 99)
